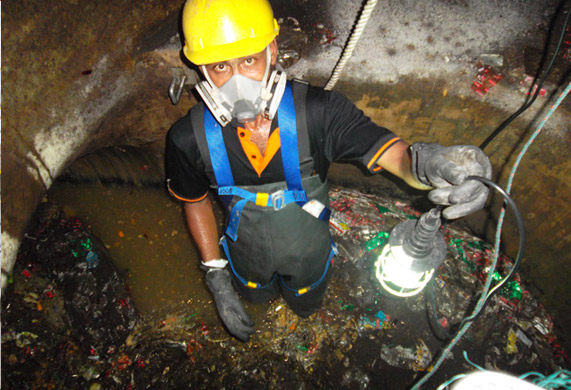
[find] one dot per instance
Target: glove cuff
(421, 153)
(213, 264)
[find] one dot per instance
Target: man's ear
(273, 52)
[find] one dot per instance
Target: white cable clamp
(215, 263)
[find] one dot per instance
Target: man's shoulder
(315, 97)
(302, 84)
(183, 127)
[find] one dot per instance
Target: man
(266, 145)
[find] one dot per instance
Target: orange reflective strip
(259, 162)
(381, 150)
(186, 199)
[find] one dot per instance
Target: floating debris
(529, 88)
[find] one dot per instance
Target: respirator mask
(242, 97)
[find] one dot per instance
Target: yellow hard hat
(221, 30)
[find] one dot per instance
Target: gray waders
(283, 251)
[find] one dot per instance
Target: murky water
(146, 235)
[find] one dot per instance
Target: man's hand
(231, 310)
(446, 169)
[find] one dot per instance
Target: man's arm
(204, 231)
(203, 228)
(397, 160)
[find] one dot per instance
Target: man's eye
(219, 67)
(249, 61)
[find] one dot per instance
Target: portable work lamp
(414, 250)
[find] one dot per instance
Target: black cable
(519, 221)
(516, 265)
(527, 103)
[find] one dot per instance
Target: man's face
(252, 66)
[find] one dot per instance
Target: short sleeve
(343, 132)
(184, 167)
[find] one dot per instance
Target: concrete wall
(77, 76)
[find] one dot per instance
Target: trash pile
(486, 78)
(68, 321)
(66, 308)
(514, 329)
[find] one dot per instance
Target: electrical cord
(464, 328)
(521, 228)
(528, 102)
(514, 269)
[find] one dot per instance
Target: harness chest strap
(299, 90)
(290, 161)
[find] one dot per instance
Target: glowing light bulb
(415, 249)
(394, 274)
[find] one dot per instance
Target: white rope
(348, 51)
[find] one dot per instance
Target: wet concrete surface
(361, 338)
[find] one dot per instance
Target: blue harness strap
(240, 278)
(222, 170)
(217, 149)
(288, 141)
(290, 161)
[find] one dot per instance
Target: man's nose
(234, 69)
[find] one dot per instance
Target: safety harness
(277, 200)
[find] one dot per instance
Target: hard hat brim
(229, 51)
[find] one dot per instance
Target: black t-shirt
(338, 132)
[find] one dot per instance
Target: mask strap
(205, 73)
(268, 63)
(264, 87)
(211, 96)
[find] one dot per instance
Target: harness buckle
(278, 200)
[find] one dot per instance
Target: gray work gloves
(231, 310)
(446, 169)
